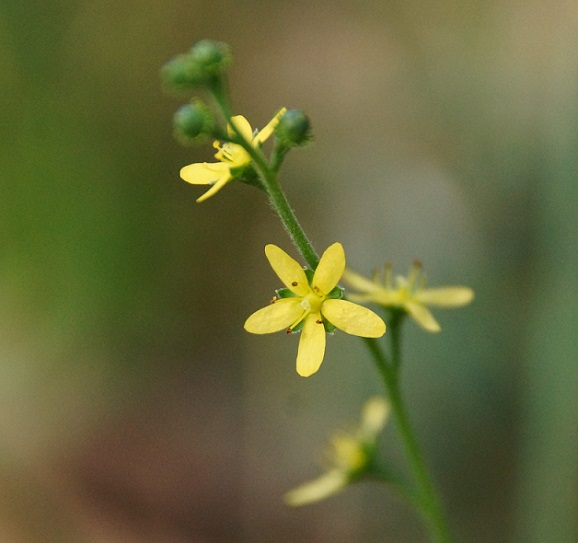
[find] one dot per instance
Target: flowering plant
(312, 302)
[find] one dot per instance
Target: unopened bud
(212, 57)
(182, 73)
(294, 128)
(193, 123)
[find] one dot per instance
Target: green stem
(219, 93)
(268, 176)
(281, 205)
(279, 202)
(427, 501)
(382, 474)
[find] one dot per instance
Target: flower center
(312, 302)
(347, 452)
(233, 153)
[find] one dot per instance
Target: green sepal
(336, 294)
(285, 293)
(298, 327)
(329, 328)
(250, 177)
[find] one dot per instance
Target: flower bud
(182, 73)
(193, 123)
(212, 57)
(294, 128)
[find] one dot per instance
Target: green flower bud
(294, 128)
(193, 123)
(212, 57)
(183, 73)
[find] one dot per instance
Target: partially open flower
(407, 293)
(348, 458)
(233, 158)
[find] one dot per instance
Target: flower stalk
(312, 302)
(425, 498)
(269, 180)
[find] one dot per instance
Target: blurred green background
(133, 407)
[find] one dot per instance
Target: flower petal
(330, 269)
(422, 315)
(374, 416)
(353, 319)
(266, 132)
(277, 316)
(215, 188)
(445, 297)
(289, 271)
(358, 282)
(386, 298)
(242, 125)
(204, 173)
(311, 345)
(324, 486)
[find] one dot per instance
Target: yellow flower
(407, 293)
(232, 157)
(348, 457)
(312, 305)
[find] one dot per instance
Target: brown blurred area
(134, 408)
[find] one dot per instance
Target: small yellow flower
(407, 293)
(348, 457)
(232, 157)
(312, 305)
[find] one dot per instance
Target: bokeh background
(133, 407)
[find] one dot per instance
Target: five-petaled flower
(233, 158)
(348, 458)
(407, 293)
(312, 306)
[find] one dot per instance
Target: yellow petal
(328, 484)
(374, 416)
(422, 315)
(445, 297)
(358, 282)
(347, 452)
(242, 125)
(330, 269)
(311, 346)
(288, 270)
(275, 317)
(353, 319)
(204, 173)
(215, 188)
(268, 130)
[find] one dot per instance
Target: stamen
(422, 282)
(387, 281)
(414, 272)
